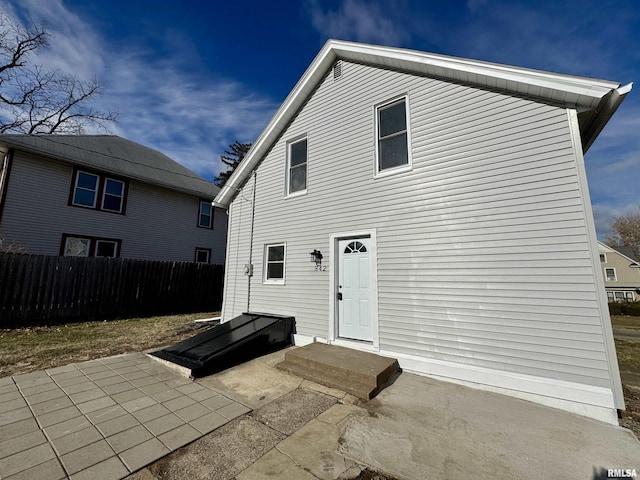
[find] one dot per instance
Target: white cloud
(357, 20)
(163, 103)
(604, 215)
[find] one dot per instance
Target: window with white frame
(610, 274)
(603, 258)
(113, 197)
(610, 297)
(205, 218)
(392, 136)
(274, 258)
(203, 255)
(98, 192)
(86, 190)
(85, 246)
(297, 166)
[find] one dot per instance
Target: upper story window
(99, 192)
(610, 274)
(113, 198)
(603, 258)
(274, 263)
(392, 137)
(205, 218)
(86, 191)
(84, 246)
(297, 166)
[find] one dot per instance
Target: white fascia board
(567, 83)
(587, 92)
(282, 117)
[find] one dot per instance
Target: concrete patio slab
(102, 419)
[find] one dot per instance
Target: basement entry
(244, 338)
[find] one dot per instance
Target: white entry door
(354, 289)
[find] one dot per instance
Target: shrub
(625, 308)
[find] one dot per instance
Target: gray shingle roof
(627, 252)
(116, 155)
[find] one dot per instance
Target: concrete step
(359, 373)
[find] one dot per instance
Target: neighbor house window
(205, 218)
(86, 190)
(297, 166)
(113, 198)
(85, 246)
(98, 191)
(610, 297)
(603, 258)
(274, 263)
(203, 255)
(610, 274)
(392, 136)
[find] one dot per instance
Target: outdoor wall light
(316, 257)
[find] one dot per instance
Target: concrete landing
(359, 373)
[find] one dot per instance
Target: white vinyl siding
(483, 256)
(159, 224)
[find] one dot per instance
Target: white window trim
(274, 281)
(288, 193)
(95, 193)
(210, 224)
(603, 258)
(402, 168)
(615, 275)
(115, 247)
(207, 251)
(104, 195)
(67, 242)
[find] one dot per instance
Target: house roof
(624, 251)
(115, 155)
(595, 100)
(627, 252)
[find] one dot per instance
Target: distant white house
(105, 196)
(436, 210)
(621, 272)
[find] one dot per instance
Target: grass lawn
(28, 349)
(34, 348)
(625, 321)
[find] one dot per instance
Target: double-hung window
(113, 198)
(274, 259)
(86, 190)
(205, 217)
(610, 274)
(392, 137)
(297, 166)
(98, 192)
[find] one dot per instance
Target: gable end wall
(483, 253)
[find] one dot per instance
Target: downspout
(253, 211)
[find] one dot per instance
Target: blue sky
(190, 77)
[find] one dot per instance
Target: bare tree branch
(36, 101)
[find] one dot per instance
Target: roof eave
(608, 106)
(35, 151)
(580, 92)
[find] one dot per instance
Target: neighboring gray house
(103, 195)
(448, 201)
(621, 272)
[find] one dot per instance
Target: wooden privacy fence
(38, 288)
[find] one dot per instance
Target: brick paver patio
(102, 419)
